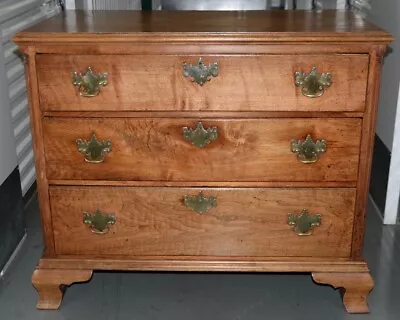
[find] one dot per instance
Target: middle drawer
(209, 150)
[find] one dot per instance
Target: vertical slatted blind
(116, 4)
(361, 6)
(15, 16)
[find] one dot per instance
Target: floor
(200, 296)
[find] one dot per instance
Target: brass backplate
(304, 223)
(94, 150)
(200, 137)
(200, 204)
(98, 221)
(89, 83)
(200, 73)
(308, 151)
(313, 84)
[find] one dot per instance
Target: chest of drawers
(203, 141)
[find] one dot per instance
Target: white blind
(15, 16)
(115, 4)
(361, 6)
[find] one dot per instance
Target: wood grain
(222, 184)
(245, 222)
(357, 286)
(202, 114)
(195, 263)
(38, 148)
(48, 283)
(367, 147)
(244, 83)
(257, 109)
(90, 48)
(204, 27)
(246, 150)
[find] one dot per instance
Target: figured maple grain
(144, 178)
(245, 222)
(244, 83)
(245, 150)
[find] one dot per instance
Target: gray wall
(386, 14)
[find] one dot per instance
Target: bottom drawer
(202, 221)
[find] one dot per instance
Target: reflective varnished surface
(325, 35)
(294, 26)
(199, 296)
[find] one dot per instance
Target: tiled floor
(200, 296)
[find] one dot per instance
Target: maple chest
(203, 141)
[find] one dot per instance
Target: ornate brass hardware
(304, 223)
(308, 151)
(200, 137)
(313, 84)
(98, 221)
(89, 83)
(94, 150)
(200, 203)
(200, 73)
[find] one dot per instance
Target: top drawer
(243, 83)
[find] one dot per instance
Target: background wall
(385, 182)
(386, 14)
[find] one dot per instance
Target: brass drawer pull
(200, 203)
(313, 84)
(200, 73)
(94, 150)
(304, 223)
(308, 151)
(200, 137)
(98, 221)
(89, 83)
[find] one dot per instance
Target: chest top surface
(232, 26)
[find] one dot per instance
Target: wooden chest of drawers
(203, 141)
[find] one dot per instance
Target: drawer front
(239, 222)
(243, 83)
(238, 150)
